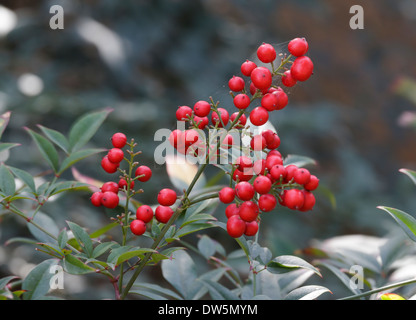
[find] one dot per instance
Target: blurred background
(355, 116)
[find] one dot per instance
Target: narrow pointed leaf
(56, 137)
(7, 184)
(410, 173)
(75, 266)
(82, 237)
(85, 128)
(25, 177)
(286, 263)
(4, 121)
(46, 148)
(77, 156)
(6, 146)
(36, 284)
(405, 221)
(307, 293)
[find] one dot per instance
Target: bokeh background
(355, 116)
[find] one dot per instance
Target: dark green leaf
(102, 248)
(37, 282)
(180, 272)
(410, 173)
(85, 128)
(6, 146)
(56, 137)
(193, 227)
(132, 253)
(46, 148)
(25, 177)
(405, 221)
(307, 293)
(62, 239)
(206, 246)
(103, 230)
(73, 265)
(82, 237)
(218, 291)
(77, 156)
(48, 224)
(7, 184)
(286, 263)
(4, 281)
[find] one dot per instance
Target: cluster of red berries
(261, 86)
(260, 186)
(108, 196)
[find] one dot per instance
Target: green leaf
(199, 289)
(62, 239)
(82, 237)
(206, 246)
(299, 161)
(6, 146)
(25, 177)
(4, 281)
(46, 148)
(180, 272)
(4, 121)
(124, 256)
(143, 288)
(65, 186)
(218, 291)
(103, 230)
(307, 293)
(73, 265)
(286, 263)
(102, 248)
(56, 137)
(7, 184)
(193, 227)
(37, 282)
(47, 223)
(77, 156)
(405, 221)
(85, 128)
(410, 173)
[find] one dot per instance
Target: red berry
(282, 99)
(298, 47)
(251, 228)
(302, 176)
(266, 53)
(243, 162)
(278, 171)
(191, 137)
(302, 68)
(244, 190)
(269, 101)
(293, 199)
(245, 175)
(175, 137)
(122, 184)
(258, 142)
(312, 184)
(163, 214)
(228, 141)
(183, 113)
(144, 213)
(241, 101)
(247, 67)
(259, 167)
(202, 108)
(262, 184)
(226, 195)
(288, 80)
(242, 120)
(236, 84)
(232, 210)
(225, 117)
(109, 166)
(115, 155)
(144, 172)
(267, 202)
(249, 211)
(290, 172)
(167, 197)
(261, 78)
(96, 198)
(235, 226)
(309, 201)
(201, 122)
(272, 139)
(119, 140)
(109, 186)
(259, 116)
(271, 161)
(109, 199)
(138, 227)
